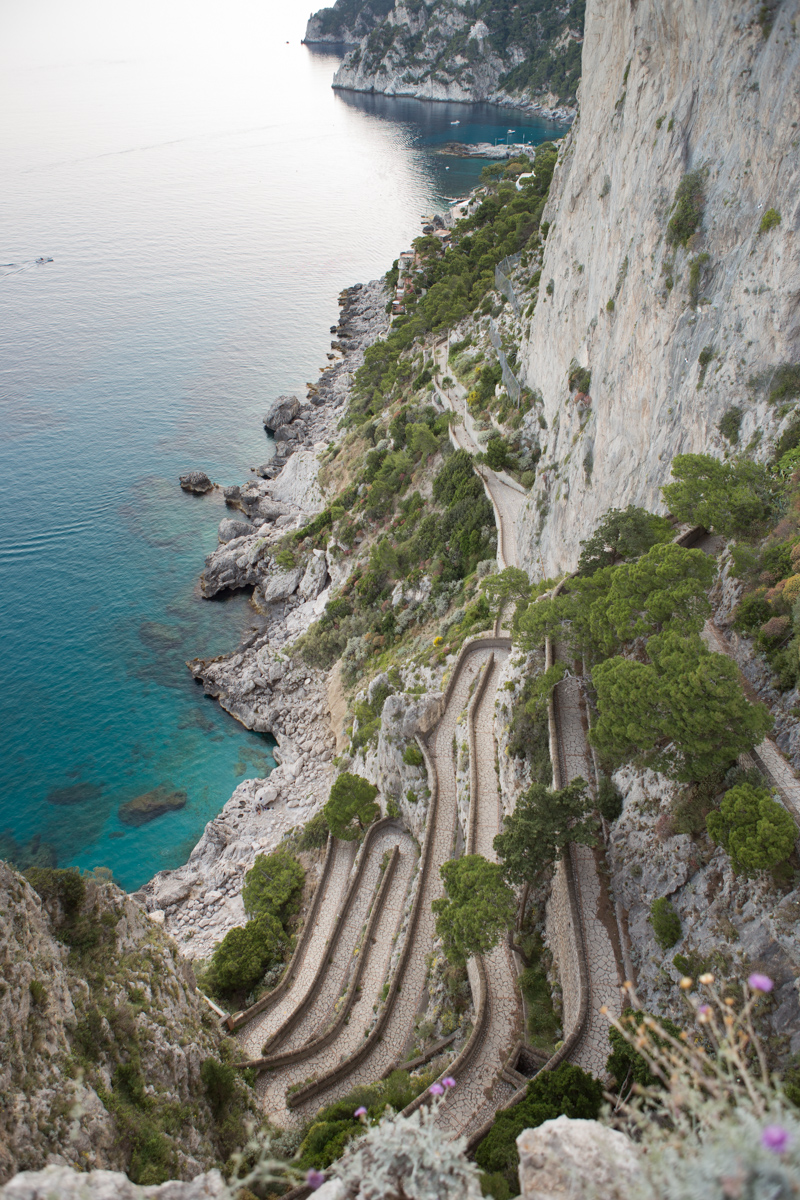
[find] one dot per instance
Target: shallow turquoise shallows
(204, 196)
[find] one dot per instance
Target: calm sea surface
(204, 196)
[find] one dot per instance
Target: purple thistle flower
(760, 983)
(704, 1010)
(436, 1089)
(315, 1179)
(448, 1081)
(360, 1112)
(775, 1138)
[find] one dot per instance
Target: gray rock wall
(704, 90)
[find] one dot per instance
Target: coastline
(200, 901)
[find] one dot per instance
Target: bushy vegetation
(687, 209)
(567, 1091)
(271, 895)
(334, 1126)
(351, 807)
(541, 827)
(625, 1064)
(730, 424)
(666, 923)
(729, 498)
(622, 534)
(672, 704)
(753, 828)
(770, 220)
(445, 540)
(449, 286)
(477, 908)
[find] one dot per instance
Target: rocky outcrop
(282, 412)
(68, 1184)
(196, 481)
(666, 89)
(565, 1158)
(440, 52)
(344, 25)
(730, 925)
(229, 529)
(94, 1000)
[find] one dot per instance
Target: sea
(183, 198)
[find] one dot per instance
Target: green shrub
(219, 1081)
(567, 1091)
(687, 210)
(580, 378)
(412, 755)
(730, 424)
(38, 992)
(705, 356)
(625, 1065)
(785, 383)
(285, 558)
(528, 479)
(610, 306)
(754, 829)
(273, 886)
(770, 220)
(243, 956)
(351, 807)
(666, 923)
(326, 1137)
(315, 833)
(498, 453)
(609, 799)
(751, 612)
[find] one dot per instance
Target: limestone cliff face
(103, 1038)
(454, 50)
(668, 87)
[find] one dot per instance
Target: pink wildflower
(448, 1081)
(775, 1138)
(315, 1179)
(760, 983)
(436, 1089)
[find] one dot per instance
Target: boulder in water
(284, 410)
(150, 805)
(196, 481)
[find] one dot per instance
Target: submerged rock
(150, 805)
(196, 481)
(75, 793)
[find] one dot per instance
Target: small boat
(44, 260)
(455, 122)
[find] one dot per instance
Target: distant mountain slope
(526, 53)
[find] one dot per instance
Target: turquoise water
(204, 196)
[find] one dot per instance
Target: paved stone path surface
(266, 1023)
(272, 1086)
(480, 1089)
(604, 977)
(339, 956)
(400, 1027)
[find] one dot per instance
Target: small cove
(204, 196)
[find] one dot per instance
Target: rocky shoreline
(257, 684)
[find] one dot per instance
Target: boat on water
(455, 122)
(44, 260)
